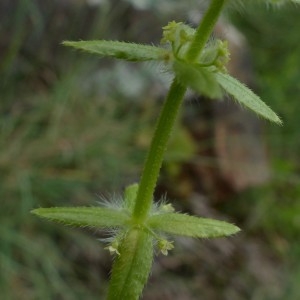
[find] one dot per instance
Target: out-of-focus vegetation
(61, 143)
(275, 210)
(72, 127)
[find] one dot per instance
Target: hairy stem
(157, 149)
(205, 29)
(168, 116)
(132, 267)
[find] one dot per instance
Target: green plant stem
(168, 116)
(132, 267)
(205, 29)
(157, 149)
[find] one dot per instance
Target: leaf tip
(35, 211)
(235, 229)
(67, 43)
(274, 118)
(278, 121)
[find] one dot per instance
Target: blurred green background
(74, 129)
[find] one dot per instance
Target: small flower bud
(113, 248)
(164, 246)
(167, 208)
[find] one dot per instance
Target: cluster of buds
(179, 36)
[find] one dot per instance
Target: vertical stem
(168, 116)
(132, 267)
(157, 149)
(205, 29)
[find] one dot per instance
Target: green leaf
(181, 224)
(246, 97)
(130, 196)
(121, 50)
(132, 267)
(98, 217)
(199, 79)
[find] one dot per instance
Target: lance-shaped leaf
(99, 217)
(132, 267)
(199, 79)
(121, 50)
(181, 224)
(246, 97)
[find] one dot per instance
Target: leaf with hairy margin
(246, 97)
(99, 217)
(121, 50)
(182, 224)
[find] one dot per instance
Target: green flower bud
(164, 246)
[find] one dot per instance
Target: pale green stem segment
(132, 267)
(157, 149)
(205, 29)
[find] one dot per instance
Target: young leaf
(186, 225)
(99, 217)
(132, 267)
(130, 196)
(121, 50)
(200, 79)
(246, 97)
